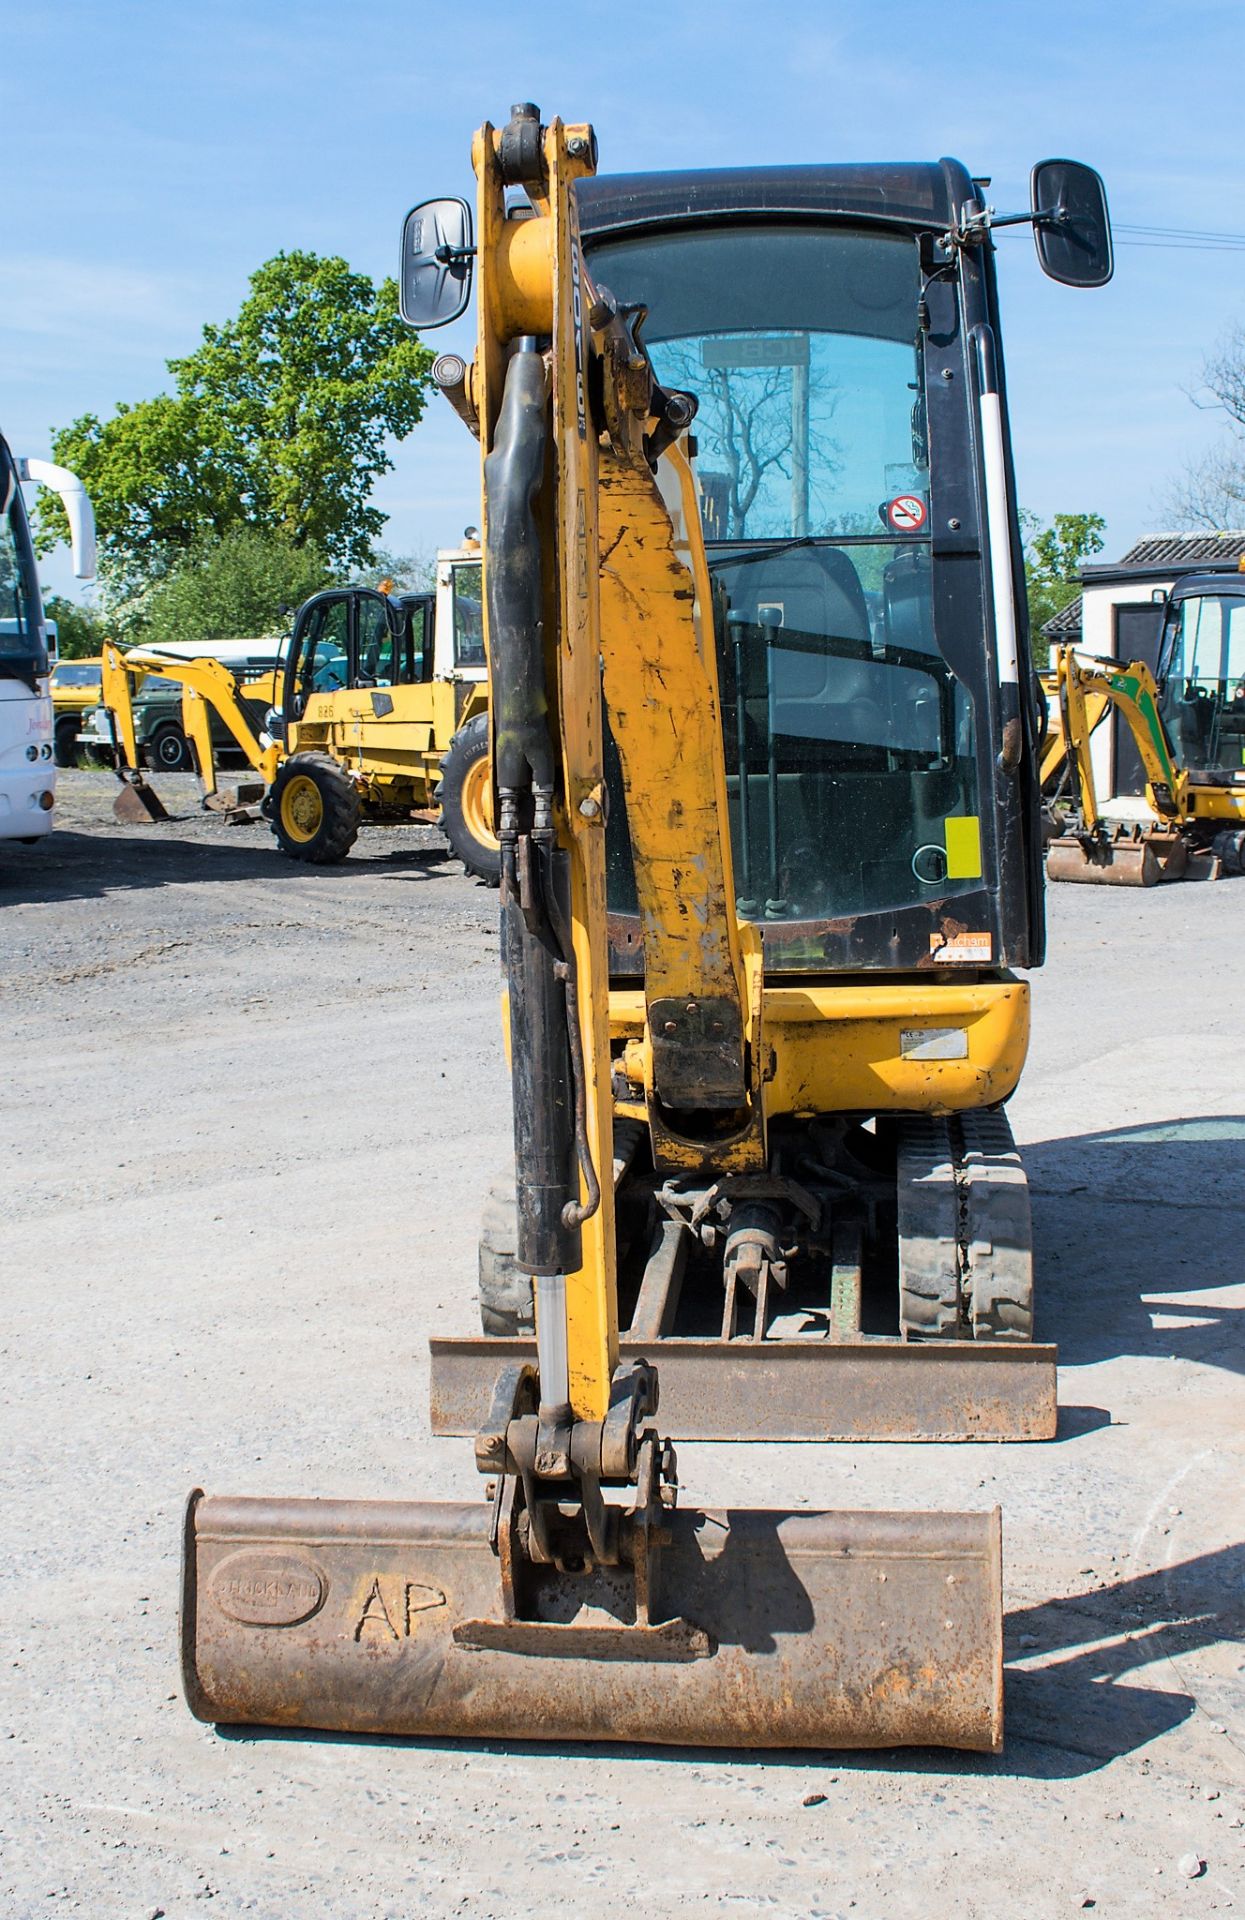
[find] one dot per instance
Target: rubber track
(965, 1232)
(505, 1293)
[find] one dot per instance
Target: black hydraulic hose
(513, 472)
(547, 1064)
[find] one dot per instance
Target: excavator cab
(1201, 676)
(879, 741)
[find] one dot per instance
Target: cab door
(318, 666)
(366, 708)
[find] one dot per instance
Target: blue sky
(158, 153)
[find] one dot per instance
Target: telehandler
(380, 714)
(770, 847)
(1187, 721)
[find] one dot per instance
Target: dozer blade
(138, 804)
(779, 1629)
(798, 1389)
(1128, 860)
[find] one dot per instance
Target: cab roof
(916, 194)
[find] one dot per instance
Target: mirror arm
(978, 225)
(449, 256)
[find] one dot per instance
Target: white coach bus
(27, 761)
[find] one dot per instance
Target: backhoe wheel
(314, 809)
(466, 796)
(506, 1307)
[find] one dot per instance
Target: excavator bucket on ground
(137, 802)
(773, 1629)
(1135, 856)
(1125, 857)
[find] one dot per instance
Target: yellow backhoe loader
(1198, 827)
(380, 714)
(768, 811)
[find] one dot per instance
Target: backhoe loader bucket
(776, 1629)
(138, 804)
(1130, 857)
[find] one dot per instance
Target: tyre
(466, 796)
(169, 750)
(506, 1304)
(1230, 846)
(314, 809)
(66, 738)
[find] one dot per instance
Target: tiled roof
(1066, 624)
(1184, 549)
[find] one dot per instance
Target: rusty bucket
(777, 1629)
(1136, 857)
(138, 803)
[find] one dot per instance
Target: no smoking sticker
(906, 512)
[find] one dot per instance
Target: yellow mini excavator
(1196, 791)
(766, 796)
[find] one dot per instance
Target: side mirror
(1071, 225)
(437, 251)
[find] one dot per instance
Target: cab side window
(419, 643)
(324, 663)
(468, 617)
(376, 646)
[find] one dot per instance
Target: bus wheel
(66, 739)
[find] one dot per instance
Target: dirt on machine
(770, 839)
(378, 712)
(1187, 722)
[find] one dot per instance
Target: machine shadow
(1128, 1221)
(84, 866)
(1069, 1716)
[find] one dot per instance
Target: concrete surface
(250, 1111)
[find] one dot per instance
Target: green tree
(1053, 559)
(409, 572)
(232, 588)
(278, 422)
(78, 635)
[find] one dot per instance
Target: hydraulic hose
(512, 475)
(542, 1076)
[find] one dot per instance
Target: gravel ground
(252, 1109)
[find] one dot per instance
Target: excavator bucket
(1130, 857)
(138, 804)
(776, 1629)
